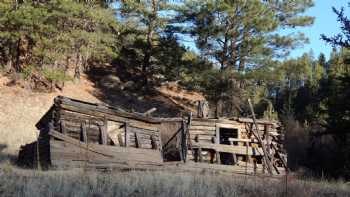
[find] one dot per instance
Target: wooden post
(103, 132)
(63, 126)
(188, 134)
(183, 142)
(83, 133)
(138, 140)
(126, 139)
(203, 109)
(267, 139)
(160, 145)
(248, 157)
(200, 154)
(234, 159)
(234, 156)
(257, 135)
(217, 141)
(154, 142)
(195, 152)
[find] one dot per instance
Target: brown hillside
(20, 109)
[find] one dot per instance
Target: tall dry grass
(17, 182)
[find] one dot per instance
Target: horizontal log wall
(71, 122)
(73, 153)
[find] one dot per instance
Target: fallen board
(68, 151)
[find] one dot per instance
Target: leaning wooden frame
(235, 142)
(79, 134)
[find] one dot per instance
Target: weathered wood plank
(241, 150)
(84, 136)
(202, 123)
(82, 107)
(103, 130)
(63, 127)
(230, 126)
(205, 128)
(126, 137)
(110, 151)
(112, 117)
(202, 137)
(138, 140)
(201, 132)
(217, 141)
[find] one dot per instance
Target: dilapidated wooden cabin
(74, 133)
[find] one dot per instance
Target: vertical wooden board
(138, 140)
(154, 142)
(217, 141)
(63, 126)
(103, 130)
(83, 134)
(126, 135)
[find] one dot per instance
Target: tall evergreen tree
(241, 34)
(40, 38)
(148, 20)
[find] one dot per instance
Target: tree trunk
(149, 47)
(18, 66)
(224, 53)
(77, 69)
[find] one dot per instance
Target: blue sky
(325, 23)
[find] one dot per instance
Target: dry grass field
(18, 104)
(19, 182)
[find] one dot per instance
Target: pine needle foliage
(53, 33)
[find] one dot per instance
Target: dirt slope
(20, 109)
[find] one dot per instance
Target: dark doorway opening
(225, 134)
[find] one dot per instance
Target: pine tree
(238, 34)
(241, 37)
(40, 37)
(148, 21)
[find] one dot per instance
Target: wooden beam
(92, 107)
(63, 126)
(242, 140)
(240, 150)
(205, 128)
(257, 135)
(183, 143)
(83, 132)
(200, 154)
(148, 112)
(138, 140)
(154, 142)
(217, 142)
(75, 142)
(103, 131)
(126, 138)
